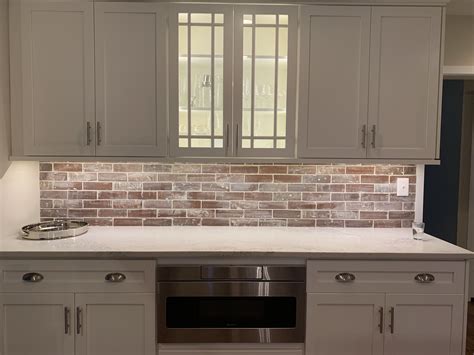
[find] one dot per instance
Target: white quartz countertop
(178, 242)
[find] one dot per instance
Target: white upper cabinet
(130, 62)
(233, 80)
(265, 63)
(200, 79)
(57, 99)
(36, 324)
(404, 82)
(334, 81)
(148, 79)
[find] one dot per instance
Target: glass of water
(418, 229)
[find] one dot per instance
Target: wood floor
(470, 330)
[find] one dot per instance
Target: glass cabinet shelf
(182, 109)
(205, 56)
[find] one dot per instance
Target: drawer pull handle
(424, 278)
(115, 277)
(345, 277)
(33, 277)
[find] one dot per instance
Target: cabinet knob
(424, 278)
(32, 277)
(345, 277)
(115, 277)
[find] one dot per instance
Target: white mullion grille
(252, 111)
(275, 91)
(212, 79)
(189, 80)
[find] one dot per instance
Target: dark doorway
(441, 197)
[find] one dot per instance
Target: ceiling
(461, 7)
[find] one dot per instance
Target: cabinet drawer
(77, 276)
(386, 276)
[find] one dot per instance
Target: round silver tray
(54, 230)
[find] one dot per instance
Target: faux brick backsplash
(150, 194)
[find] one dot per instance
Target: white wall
(19, 197)
(4, 88)
(459, 45)
(19, 182)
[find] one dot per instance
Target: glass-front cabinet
(265, 80)
(236, 77)
(200, 79)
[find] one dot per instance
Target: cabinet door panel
(200, 79)
(34, 324)
(116, 324)
(424, 325)
(404, 82)
(265, 80)
(344, 324)
(130, 79)
(58, 77)
(334, 81)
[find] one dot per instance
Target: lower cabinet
(36, 324)
(378, 323)
(344, 324)
(115, 324)
(80, 324)
(424, 324)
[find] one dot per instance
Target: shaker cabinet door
(36, 324)
(130, 55)
(57, 54)
(115, 324)
(404, 82)
(424, 325)
(344, 324)
(334, 81)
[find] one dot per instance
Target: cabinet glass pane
(201, 80)
(264, 86)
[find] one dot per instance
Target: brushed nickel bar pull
(99, 133)
(392, 320)
(364, 136)
(374, 128)
(88, 133)
(67, 320)
(381, 320)
(79, 320)
(227, 138)
(236, 138)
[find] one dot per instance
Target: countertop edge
(239, 254)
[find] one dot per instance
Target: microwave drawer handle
(115, 277)
(231, 272)
(33, 277)
(345, 277)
